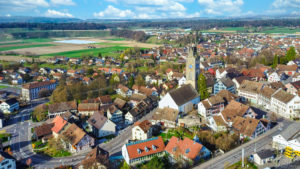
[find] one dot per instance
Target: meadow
(113, 51)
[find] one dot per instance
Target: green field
(3, 87)
(110, 44)
(27, 41)
(108, 51)
(24, 46)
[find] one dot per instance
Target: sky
(147, 9)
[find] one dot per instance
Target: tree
(90, 71)
(40, 113)
(140, 80)
(131, 82)
(99, 55)
(291, 54)
(275, 62)
(202, 87)
(125, 166)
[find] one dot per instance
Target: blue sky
(147, 9)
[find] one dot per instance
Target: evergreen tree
(131, 82)
(202, 87)
(275, 62)
(291, 54)
(139, 80)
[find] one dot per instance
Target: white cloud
(8, 15)
(62, 2)
(286, 3)
(21, 5)
(54, 13)
(112, 12)
(219, 7)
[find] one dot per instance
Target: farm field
(7, 48)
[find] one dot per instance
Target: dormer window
(146, 149)
(139, 151)
(153, 147)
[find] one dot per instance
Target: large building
(192, 67)
(182, 99)
(31, 91)
(141, 151)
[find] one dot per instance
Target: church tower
(192, 68)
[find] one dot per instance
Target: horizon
(149, 9)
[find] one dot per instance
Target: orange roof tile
(59, 123)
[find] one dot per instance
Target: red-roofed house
(186, 149)
(59, 124)
(141, 151)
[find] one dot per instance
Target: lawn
(107, 51)
(238, 165)
(3, 87)
(27, 41)
(279, 30)
(25, 46)
(5, 137)
(180, 133)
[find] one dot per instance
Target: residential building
(263, 157)
(288, 69)
(58, 126)
(88, 109)
(9, 106)
(114, 114)
(293, 87)
(250, 90)
(142, 130)
(264, 98)
(97, 158)
(75, 139)
(43, 131)
(166, 117)
(58, 109)
(30, 91)
(285, 104)
(141, 151)
(186, 150)
(124, 91)
(101, 126)
(217, 123)
(224, 84)
(182, 99)
(211, 106)
(7, 161)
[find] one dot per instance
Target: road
(260, 143)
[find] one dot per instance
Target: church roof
(184, 94)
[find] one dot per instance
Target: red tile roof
(59, 124)
(186, 147)
(154, 145)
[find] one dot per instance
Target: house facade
(9, 105)
(30, 91)
(142, 130)
(224, 84)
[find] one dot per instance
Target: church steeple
(192, 67)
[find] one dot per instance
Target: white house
(141, 151)
(101, 126)
(216, 123)
(285, 104)
(114, 114)
(182, 81)
(211, 106)
(7, 161)
(262, 157)
(249, 90)
(142, 130)
(220, 73)
(264, 98)
(274, 77)
(9, 105)
(182, 99)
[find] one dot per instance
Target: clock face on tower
(191, 66)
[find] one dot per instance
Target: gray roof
(267, 153)
(97, 120)
(227, 82)
(184, 94)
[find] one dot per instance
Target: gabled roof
(227, 82)
(88, 107)
(267, 92)
(11, 101)
(283, 96)
(61, 107)
(97, 120)
(186, 147)
(38, 84)
(234, 109)
(43, 130)
(96, 155)
(245, 126)
(227, 95)
(184, 94)
(120, 103)
(251, 86)
(266, 153)
(73, 134)
(144, 125)
(59, 124)
(145, 147)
